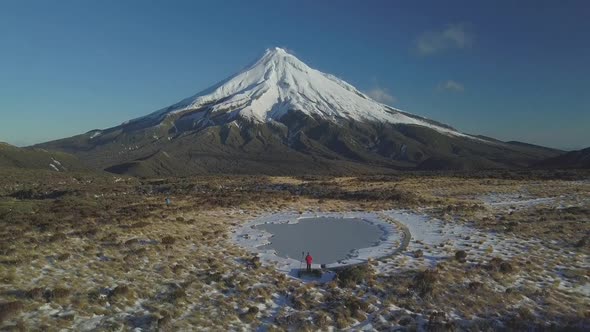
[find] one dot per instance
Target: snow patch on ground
(439, 241)
(515, 200)
(96, 134)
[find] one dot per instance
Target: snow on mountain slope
(278, 83)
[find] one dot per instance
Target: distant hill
(35, 158)
(579, 159)
(532, 146)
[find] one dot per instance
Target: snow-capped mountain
(279, 116)
(278, 83)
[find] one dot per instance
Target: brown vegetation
(95, 245)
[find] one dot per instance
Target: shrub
(321, 319)
(356, 307)
(8, 309)
(249, 315)
(94, 296)
(119, 292)
(35, 293)
(475, 285)
(351, 277)
(176, 295)
(177, 268)
(418, 253)
(341, 320)
(299, 303)
(131, 242)
(164, 321)
(255, 262)
(583, 242)
(57, 293)
(506, 267)
(212, 277)
(168, 240)
(461, 256)
(424, 282)
(297, 321)
(498, 264)
(57, 237)
(494, 263)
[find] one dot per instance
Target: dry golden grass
(111, 247)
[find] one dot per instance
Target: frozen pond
(333, 238)
(327, 239)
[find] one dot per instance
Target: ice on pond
(334, 238)
(327, 239)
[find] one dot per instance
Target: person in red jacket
(308, 260)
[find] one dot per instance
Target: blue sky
(514, 70)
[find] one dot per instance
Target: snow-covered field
(438, 241)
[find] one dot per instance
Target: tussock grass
(116, 244)
(461, 256)
(425, 282)
(353, 276)
(8, 309)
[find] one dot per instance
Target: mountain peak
(279, 83)
(276, 50)
(279, 57)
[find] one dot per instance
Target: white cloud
(451, 86)
(453, 36)
(381, 95)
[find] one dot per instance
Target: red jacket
(308, 259)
